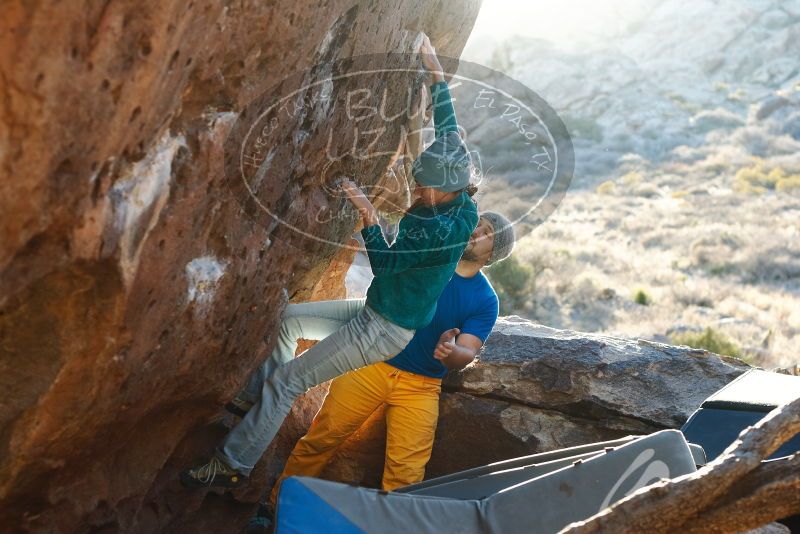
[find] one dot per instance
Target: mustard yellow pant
(412, 410)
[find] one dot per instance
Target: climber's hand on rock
(428, 55)
(349, 187)
(355, 194)
(429, 60)
(446, 344)
(360, 201)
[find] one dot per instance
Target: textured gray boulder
(589, 374)
(537, 388)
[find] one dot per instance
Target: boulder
(136, 292)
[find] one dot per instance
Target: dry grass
(708, 256)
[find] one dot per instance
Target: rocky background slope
(135, 295)
(682, 217)
(675, 73)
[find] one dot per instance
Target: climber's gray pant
(351, 335)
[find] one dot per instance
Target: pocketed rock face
(536, 389)
(135, 296)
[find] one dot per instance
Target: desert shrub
(721, 269)
(722, 86)
(513, 283)
(713, 251)
(757, 140)
(757, 179)
(647, 191)
(583, 128)
(606, 188)
(715, 167)
(789, 183)
(632, 161)
(632, 178)
(751, 179)
(680, 102)
(710, 340)
(641, 297)
(738, 95)
(690, 291)
(775, 263)
(713, 119)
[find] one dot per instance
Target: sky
(567, 23)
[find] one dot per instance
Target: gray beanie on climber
(444, 165)
(504, 238)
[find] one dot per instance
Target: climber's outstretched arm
(444, 114)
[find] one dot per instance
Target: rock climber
(409, 277)
(408, 384)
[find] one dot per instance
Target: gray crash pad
(544, 503)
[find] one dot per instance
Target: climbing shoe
(215, 473)
(263, 522)
(239, 406)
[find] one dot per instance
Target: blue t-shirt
(469, 304)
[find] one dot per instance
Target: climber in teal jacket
(410, 275)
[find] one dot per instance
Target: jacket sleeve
(412, 246)
(444, 114)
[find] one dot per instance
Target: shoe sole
(188, 481)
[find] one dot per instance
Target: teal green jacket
(444, 114)
(412, 272)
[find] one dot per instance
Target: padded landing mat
(740, 404)
(544, 503)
